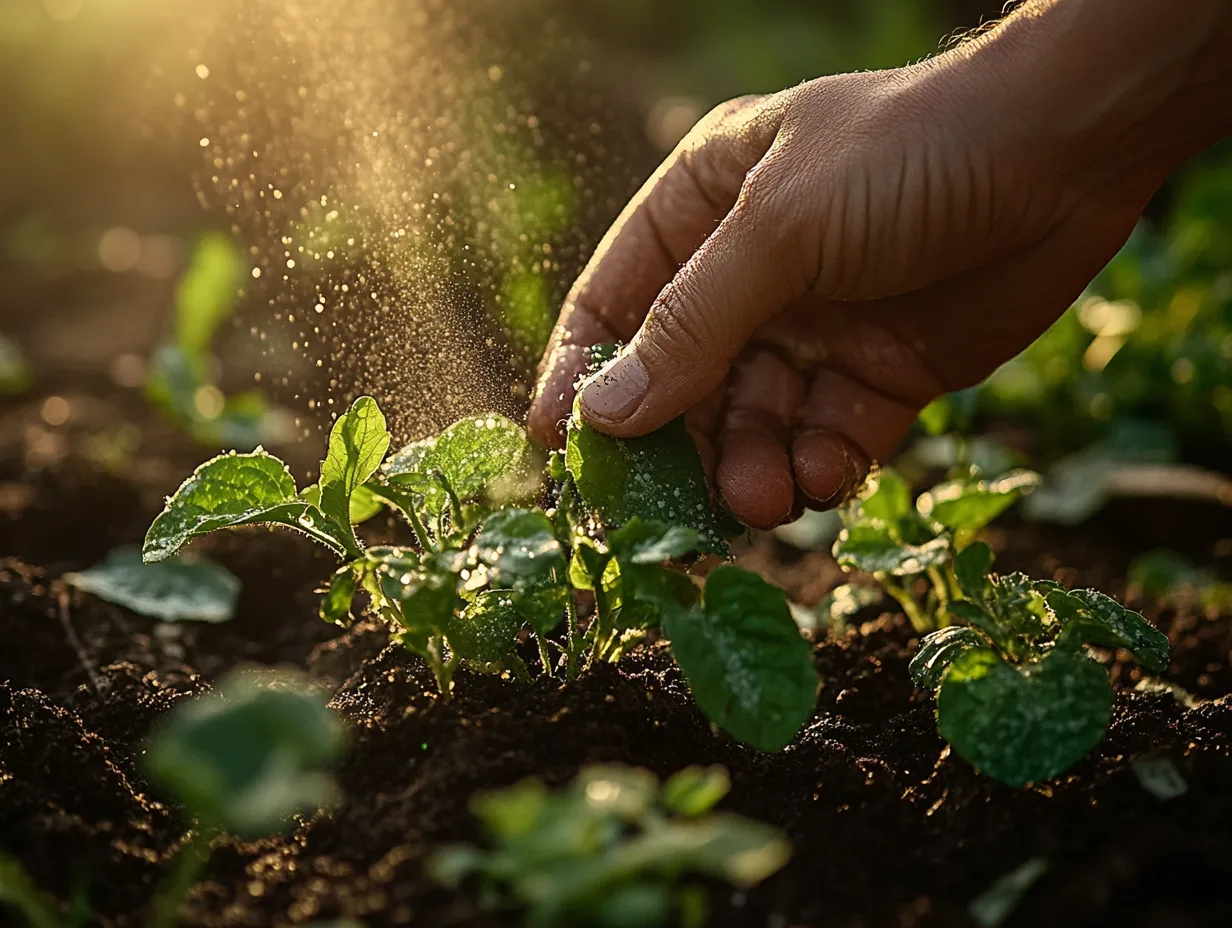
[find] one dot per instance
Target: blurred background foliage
(561, 109)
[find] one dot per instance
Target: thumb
(741, 276)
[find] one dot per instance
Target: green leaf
(366, 501)
(938, 650)
(247, 756)
(1018, 607)
(485, 457)
(641, 595)
(626, 792)
(424, 587)
(971, 566)
(357, 445)
(336, 606)
(890, 501)
(587, 565)
(965, 505)
(543, 608)
(750, 670)
(176, 590)
(1163, 572)
(487, 629)
(977, 616)
(871, 548)
(520, 549)
(207, 292)
(991, 908)
(233, 490)
(935, 417)
(1100, 620)
(694, 791)
(657, 478)
(1024, 724)
(641, 542)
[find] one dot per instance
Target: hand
(809, 269)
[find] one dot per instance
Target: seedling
(614, 849)
(1018, 695)
(907, 547)
(181, 380)
(242, 760)
(490, 567)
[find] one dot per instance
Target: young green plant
(1018, 695)
(908, 547)
(614, 849)
(489, 564)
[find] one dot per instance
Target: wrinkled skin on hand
(809, 269)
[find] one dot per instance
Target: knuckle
(784, 202)
(674, 328)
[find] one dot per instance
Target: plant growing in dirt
(181, 381)
(613, 849)
(909, 548)
(1018, 694)
(241, 760)
(490, 566)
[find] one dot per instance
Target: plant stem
(911, 608)
(519, 668)
(189, 862)
(573, 640)
(425, 540)
(455, 504)
(442, 670)
(942, 590)
(545, 656)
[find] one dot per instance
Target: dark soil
(889, 829)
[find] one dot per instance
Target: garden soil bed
(889, 829)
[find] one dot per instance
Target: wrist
(1111, 93)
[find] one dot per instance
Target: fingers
(754, 476)
(743, 274)
(962, 331)
(843, 427)
(660, 229)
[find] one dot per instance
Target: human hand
(809, 269)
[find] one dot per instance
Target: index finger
(664, 224)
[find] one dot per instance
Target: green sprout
(491, 569)
(908, 547)
(1018, 695)
(181, 382)
(243, 760)
(614, 849)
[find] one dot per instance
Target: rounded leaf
(869, 546)
(938, 650)
(750, 670)
(657, 478)
(971, 566)
(238, 489)
(486, 457)
(178, 590)
(1024, 724)
(487, 629)
(1100, 620)
(519, 548)
(248, 756)
(967, 505)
